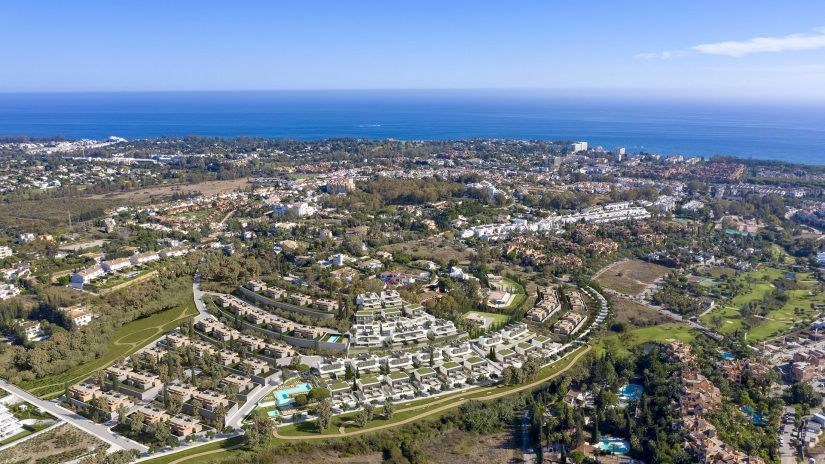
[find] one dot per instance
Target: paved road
(235, 420)
(100, 431)
(528, 451)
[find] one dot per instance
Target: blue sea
(794, 133)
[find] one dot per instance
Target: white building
(9, 425)
(8, 291)
(299, 209)
(85, 276)
(5, 252)
(578, 146)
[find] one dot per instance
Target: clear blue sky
(701, 47)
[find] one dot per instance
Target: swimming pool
(283, 396)
(727, 356)
(272, 413)
(758, 418)
(334, 338)
(614, 445)
(631, 391)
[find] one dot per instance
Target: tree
(122, 411)
(137, 424)
(324, 415)
(389, 408)
(257, 430)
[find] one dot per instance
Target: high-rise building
(578, 146)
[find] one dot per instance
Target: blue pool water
(727, 355)
(283, 396)
(334, 338)
(272, 413)
(758, 418)
(614, 445)
(631, 391)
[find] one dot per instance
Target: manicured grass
(25, 433)
(497, 318)
(126, 340)
(638, 336)
(778, 321)
(221, 445)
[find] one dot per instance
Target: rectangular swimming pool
(283, 396)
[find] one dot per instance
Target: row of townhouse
(84, 276)
(514, 344)
(569, 323)
(270, 321)
(699, 396)
(181, 425)
(549, 304)
(295, 298)
(404, 381)
(384, 320)
(622, 211)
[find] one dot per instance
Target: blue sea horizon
(772, 131)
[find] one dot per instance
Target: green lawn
(638, 336)
(126, 340)
(497, 318)
(220, 445)
(796, 309)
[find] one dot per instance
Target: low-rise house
(181, 390)
(115, 265)
(239, 382)
(278, 350)
(111, 401)
(140, 259)
(210, 400)
(325, 304)
(178, 340)
(84, 276)
(255, 366)
(143, 380)
(152, 415)
(331, 366)
(117, 372)
(84, 392)
(506, 355)
(307, 332)
(183, 425)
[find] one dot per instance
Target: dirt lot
(635, 314)
(213, 187)
(433, 248)
(456, 447)
(631, 276)
(62, 444)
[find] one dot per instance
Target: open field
(64, 443)
(212, 187)
(45, 215)
(631, 276)
(758, 282)
(126, 340)
(435, 248)
(636, 314)
(622, 343)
